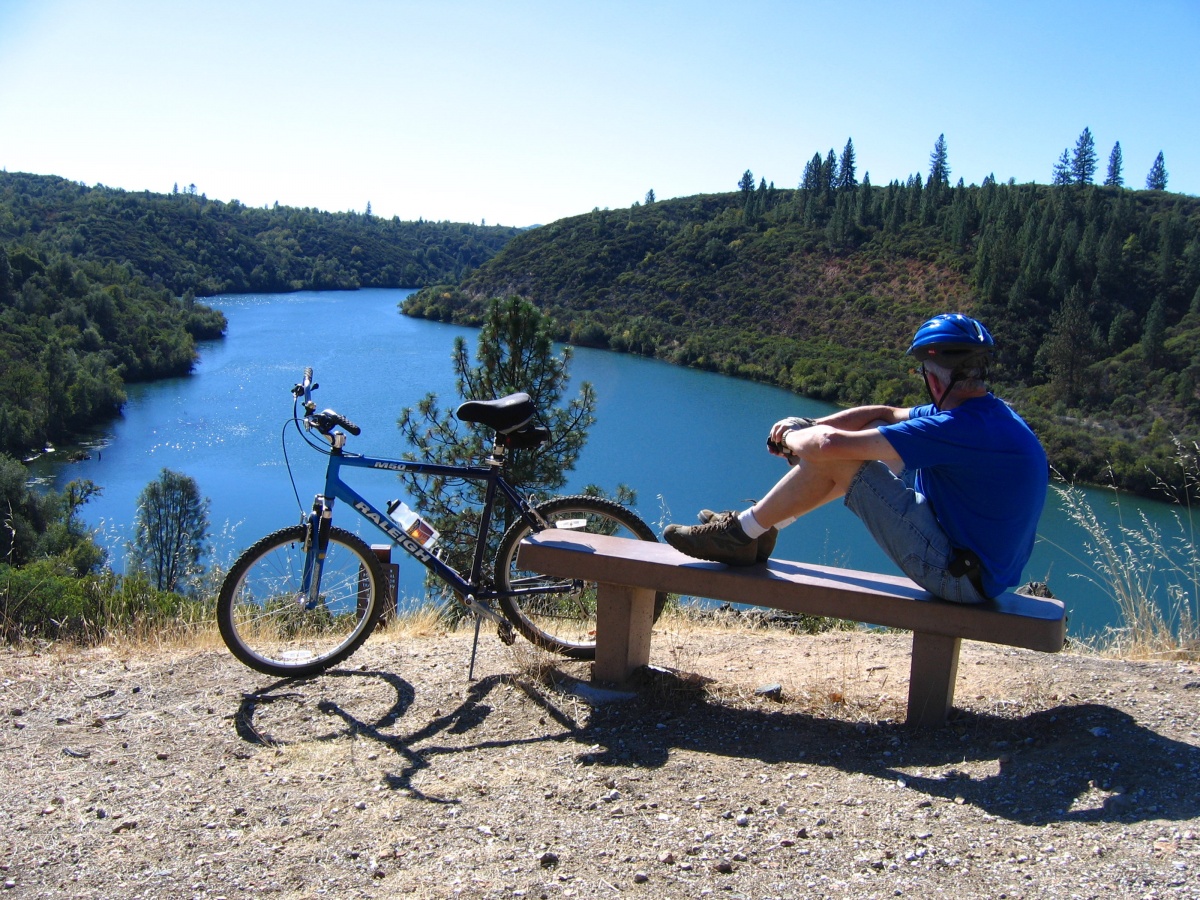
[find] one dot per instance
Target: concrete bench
(630, 571)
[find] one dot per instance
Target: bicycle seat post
(499, 453)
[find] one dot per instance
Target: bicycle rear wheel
(563, 620)
(268, 624)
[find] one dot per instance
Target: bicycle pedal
(506, 634)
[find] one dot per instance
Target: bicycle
(305, 597)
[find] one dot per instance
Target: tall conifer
(846, 177)
(1083, 164)
(1157, 179)
(1062, 169)
(1114, 178)
(939, 165)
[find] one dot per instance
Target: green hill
(98, 286)
(1092, 292)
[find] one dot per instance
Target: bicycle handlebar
(326, 420)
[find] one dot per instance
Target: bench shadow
(1073, 763)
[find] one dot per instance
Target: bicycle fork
(316, 546)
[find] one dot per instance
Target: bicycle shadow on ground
(1086, 763)
(372, 721)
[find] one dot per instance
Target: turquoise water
(682, 439)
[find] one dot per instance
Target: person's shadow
(1073, 763)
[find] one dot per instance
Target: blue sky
(522, 112)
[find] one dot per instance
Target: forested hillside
(98, 286)
(1093, 293)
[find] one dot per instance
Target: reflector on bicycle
(574, 524)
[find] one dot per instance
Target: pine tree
(939, 165)
(846, 177)
(1114, 178)
(829, 172)
(1062, 169)
(1157, 179)
(812, 174)
(1069, 347)
(1083, 165)
(6, 279)
(1154, 333)
(746, 185)
(865, 201)
(515, 352)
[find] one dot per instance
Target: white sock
(753, 529)
(750, 524)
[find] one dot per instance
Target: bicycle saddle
(505, 415)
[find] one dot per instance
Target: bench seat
(629, 572)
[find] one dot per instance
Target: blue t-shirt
(984, 473)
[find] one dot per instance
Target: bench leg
(624, 619)
(931, 678)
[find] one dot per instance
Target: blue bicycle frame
(321, 518)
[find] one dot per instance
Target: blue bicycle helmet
(957, 343)
(954, 340)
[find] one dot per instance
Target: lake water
(681, 438)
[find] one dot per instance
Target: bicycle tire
(266, 625)
(564, 623)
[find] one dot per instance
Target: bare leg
(806, 486)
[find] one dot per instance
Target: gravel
(748, 763)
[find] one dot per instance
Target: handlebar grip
(327, 419)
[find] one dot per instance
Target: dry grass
(1152, 577)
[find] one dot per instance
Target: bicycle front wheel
(270, 625)
(561, 616)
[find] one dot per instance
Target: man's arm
(847, 434)
(861, 417)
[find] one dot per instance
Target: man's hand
(776, 440)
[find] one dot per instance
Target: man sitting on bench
(965, 528)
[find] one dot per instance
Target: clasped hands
(780, 430)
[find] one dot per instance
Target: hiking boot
(720, 539)
(766, 541)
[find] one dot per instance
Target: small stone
(773, 691)
(548, 859)
(640, 877)
(742, 821)
(723, 866)
(667, 858)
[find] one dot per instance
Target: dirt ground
(751, 763)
